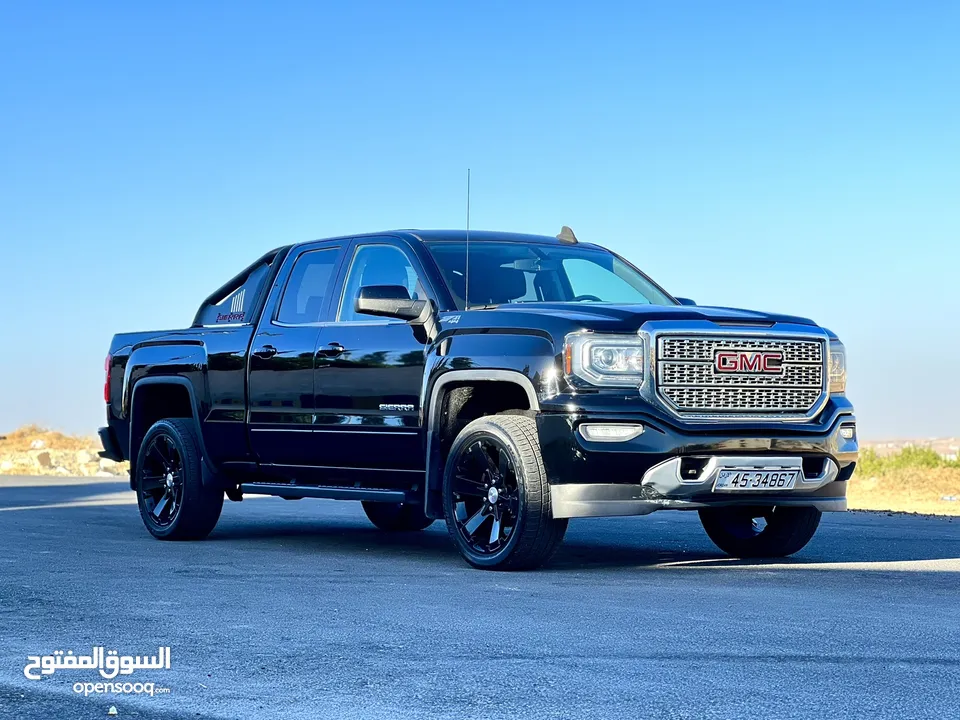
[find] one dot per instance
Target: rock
(60, 470)
(43, 459)
(6, 465)
(101, 473)
(108, 465)
(37, 445)
(84, 457)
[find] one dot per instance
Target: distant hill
(948, 448)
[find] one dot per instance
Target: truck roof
(475, 236)
(485, 236)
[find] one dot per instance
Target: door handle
(332, 350)
(267, 351)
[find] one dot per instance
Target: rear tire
(397, 517)
(496, 496)
(174, 503)
(760, 532)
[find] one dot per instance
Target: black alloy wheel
(486, 496)
(175, 502)
(161, 480)
(496, 495)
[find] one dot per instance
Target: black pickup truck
(503, 382)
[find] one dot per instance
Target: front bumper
(664, 488)
(653, 471)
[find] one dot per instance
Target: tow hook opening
(813, 467)
(691, 468)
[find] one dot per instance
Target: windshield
(503, 272)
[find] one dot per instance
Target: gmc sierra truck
(502, 382)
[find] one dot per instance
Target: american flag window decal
(236, 305)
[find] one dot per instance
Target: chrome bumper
(663, 488)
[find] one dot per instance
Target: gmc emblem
(755, 362)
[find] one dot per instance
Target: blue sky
(796, 157)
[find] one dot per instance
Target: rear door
(369, 373)
(281, 376)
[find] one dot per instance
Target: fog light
(619, 432)
(847, 432)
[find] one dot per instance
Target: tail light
(106, 382)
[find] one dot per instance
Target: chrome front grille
(722, 399)
(704, 348)
(690, 383)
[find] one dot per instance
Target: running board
(329, 493)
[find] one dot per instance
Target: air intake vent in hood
(744, 323)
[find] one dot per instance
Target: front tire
(496, 496)
(397, 517)
(760, 532)
(174, 503)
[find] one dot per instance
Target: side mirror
(392, 301)
(685, 301)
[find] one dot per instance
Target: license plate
(747, 480)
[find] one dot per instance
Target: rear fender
(179, 358)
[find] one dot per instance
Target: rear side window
(236, 305)
(308, 287)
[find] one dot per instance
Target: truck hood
(630, 317)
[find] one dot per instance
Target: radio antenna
(466, 278)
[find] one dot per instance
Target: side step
(329, 493)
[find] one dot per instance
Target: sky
(792, 157)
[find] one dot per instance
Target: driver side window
(377, 265)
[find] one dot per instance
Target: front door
(369, 374)
(282, 357)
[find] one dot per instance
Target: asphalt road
(303, 609)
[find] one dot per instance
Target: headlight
(604, 359)
(838, 367)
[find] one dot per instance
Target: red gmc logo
(746, 361)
